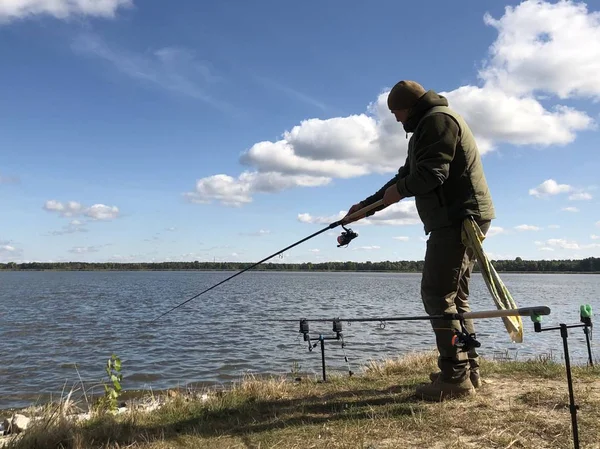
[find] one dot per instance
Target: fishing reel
(464, 340)
(346, 237)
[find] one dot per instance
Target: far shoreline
(271, 270)
(589, 265)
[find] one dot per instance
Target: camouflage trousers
(445, 289)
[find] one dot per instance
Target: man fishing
(444, 173)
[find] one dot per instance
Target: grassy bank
(521, 405)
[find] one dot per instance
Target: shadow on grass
(258, 416)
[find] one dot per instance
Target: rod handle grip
(359, 213)
(521, 311)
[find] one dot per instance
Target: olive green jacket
(443, 169)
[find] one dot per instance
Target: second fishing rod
(343, 239)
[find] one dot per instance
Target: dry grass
(521, 405)
(411, 364)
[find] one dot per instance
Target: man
(444, 173)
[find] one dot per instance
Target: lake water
(50, 321)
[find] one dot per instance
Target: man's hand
(391, 195)
(354, 208)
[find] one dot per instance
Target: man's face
(401, 115)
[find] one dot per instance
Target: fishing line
(343, 240)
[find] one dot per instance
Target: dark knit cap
(404, 95)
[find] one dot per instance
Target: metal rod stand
(337, 328)
(587, 331)
(323, 358)
(321, 339)
(572, 407)
(564, 335)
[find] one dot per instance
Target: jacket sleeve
(433, 153)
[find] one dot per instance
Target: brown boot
(474, 376)
(439, 390)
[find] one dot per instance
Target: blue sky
(151, 131)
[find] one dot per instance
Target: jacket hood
(429, 100)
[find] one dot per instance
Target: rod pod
(461, 339)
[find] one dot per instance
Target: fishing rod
(343, 240)
(521, 311)
(461, 338)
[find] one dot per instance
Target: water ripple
(67, 324)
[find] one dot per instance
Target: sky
(148, 131)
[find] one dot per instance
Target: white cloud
(84, 249)
(495, 230)
(316, 250)
(569, 244)
(314, 148)
(73, 208)
(570, 209)
(499, 256)
(562, 243)
(73, 227)
(223, 188)
(550, 187)
(188, 256)
(171, 229)
(9, 252)
(102, 212)
(129, 258)
(525, 227)
(546, 248)
(546, 47)
(598, 224)
(553, 226)
(235, 192)
(311, 155)
(67, 209)
(258, 233)
(398, 214)
(595, 237)
(401, 213)
(60, 9)
(503, 109)
(402, 238)
(366, 248)
(308, 218)
(580, 196)
(495, 116)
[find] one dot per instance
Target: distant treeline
(591, 264)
